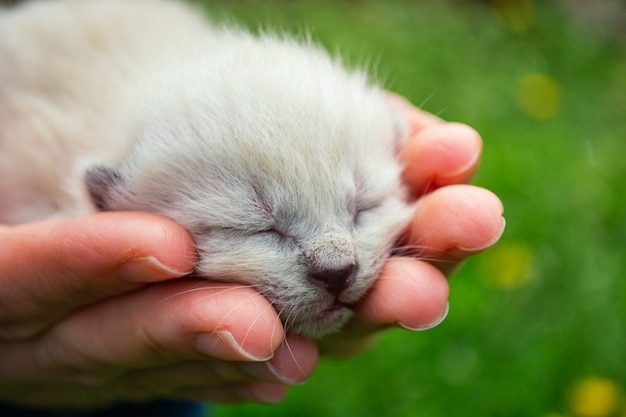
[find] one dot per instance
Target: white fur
(280, 162)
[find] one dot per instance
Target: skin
(97, 309)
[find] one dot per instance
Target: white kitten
(280, 162)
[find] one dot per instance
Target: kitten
(279, 161)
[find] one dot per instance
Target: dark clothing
(161, 408)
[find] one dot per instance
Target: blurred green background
(537, 326)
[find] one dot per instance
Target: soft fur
(280, 162)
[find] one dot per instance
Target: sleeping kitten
(279, 161)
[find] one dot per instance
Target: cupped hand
(97, 309)
(452, 221)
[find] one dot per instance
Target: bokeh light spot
(515, 15)
(539, 96)
(594, 397)
(457, 364)
(509, 265)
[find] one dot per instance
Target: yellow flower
(595, 397)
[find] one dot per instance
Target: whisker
(293, 356)
(203, 288)
(428, 98)
(245, 337)
(440, 112)
(236, 306)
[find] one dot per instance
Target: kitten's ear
(102, 182)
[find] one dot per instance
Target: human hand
(93, 311)
(453, 221)
(82, 325)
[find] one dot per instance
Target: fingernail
(148, 269)
(429, 325)
(487, 245)
(222, 345)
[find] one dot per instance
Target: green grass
(505, 350)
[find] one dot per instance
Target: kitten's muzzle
(331, 262)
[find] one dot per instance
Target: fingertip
(419, 292)
(229, 321)
(138, 247)
(458, 219)
(480, 214)
(440, 155)
(150, 243)
(462, 146)
(294, 361)
(488, 243)
(427, 325)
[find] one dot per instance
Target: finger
(419, 293)
(215, 392)
(261, 392)
(437, 153)
(161, 324)
(92, 397)
(227, 381)
(440, 155)
(293, 362)
(214, 381)
(408, 293)
(50, 268)
(453, 223)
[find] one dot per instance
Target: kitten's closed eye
(364, 211)
(278, 233)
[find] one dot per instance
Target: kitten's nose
(334, 280)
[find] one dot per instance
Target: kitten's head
(285, 174)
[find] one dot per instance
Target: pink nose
(334, 280)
